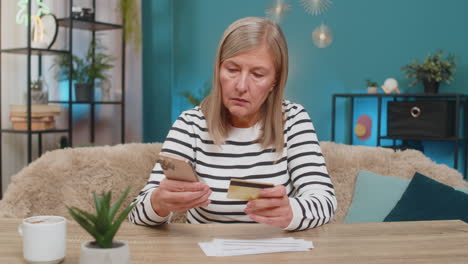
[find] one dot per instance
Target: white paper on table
(236, 247)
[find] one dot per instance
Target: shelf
(35, 51)
(87, 25)
(419, 95)
(86, 102)
(13, 131)
(70, 24)
(422, 138)
(461, 100)
(404, 147)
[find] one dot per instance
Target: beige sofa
(68, 177)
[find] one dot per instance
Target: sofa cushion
(461, 190)
(427, 199)
(374, 197)
(345, 161)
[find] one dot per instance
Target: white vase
(372, 90)
(119, 254)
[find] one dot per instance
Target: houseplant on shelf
(103, 226)
(85, 70)
(432, 71)
(372, 87)
(129, 11)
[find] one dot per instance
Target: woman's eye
(258, 75)
(232, 70)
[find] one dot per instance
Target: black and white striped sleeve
(313, 201)
(179, 141)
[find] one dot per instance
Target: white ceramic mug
(44, 239)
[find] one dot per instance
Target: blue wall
(372, 39)
(157, 69)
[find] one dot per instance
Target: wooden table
(404, 242)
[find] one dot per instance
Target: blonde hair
(243, 35)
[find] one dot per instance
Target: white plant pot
(372, 90)
(91, 253)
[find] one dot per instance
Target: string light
(316, 7)
(277, 12)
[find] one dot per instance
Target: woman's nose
(242, 85)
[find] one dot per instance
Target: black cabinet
(434, 119)
(416, 117)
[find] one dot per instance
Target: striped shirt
(300, 168)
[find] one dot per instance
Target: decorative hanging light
(278, 11)
(22, 16)
(322, 36)
(316, 7)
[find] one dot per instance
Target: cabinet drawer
(421, 119)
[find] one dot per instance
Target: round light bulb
(322, 36)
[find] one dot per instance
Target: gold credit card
(246, 190)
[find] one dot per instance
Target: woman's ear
(272, 87)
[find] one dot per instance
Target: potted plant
(432, 71)
(103, 226)
(86, 70)
(372, 87)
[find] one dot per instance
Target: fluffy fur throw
(68, 177)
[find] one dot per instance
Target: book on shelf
(35, 125)
(42, 117)
(33, 119)
(39, 110)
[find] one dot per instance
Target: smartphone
(177, 168)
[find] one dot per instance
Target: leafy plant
(433, 69)
(371, 83)
(196, 98)
(102, 226)
(88, 69)
(129, 12)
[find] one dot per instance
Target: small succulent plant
(102, 225)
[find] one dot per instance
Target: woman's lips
(240, 101)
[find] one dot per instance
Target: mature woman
(244, 130)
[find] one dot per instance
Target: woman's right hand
(176, 196)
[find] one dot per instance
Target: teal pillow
(374, 197)
(461, 190)
(427, 199)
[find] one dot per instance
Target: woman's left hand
(271, 207)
